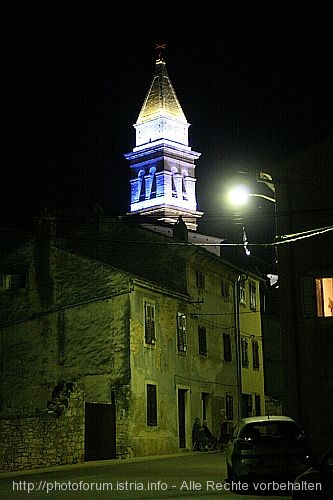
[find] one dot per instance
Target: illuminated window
(151, 405)
(181, 332)
(324, 297)
(150, 323)
(317, 297)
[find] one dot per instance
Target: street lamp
(239, 196)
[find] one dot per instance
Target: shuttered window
(181, 332)
(149, 323)
(255, 355)
(200, 279)
(245, 354)
(227, 347)
(225, 289)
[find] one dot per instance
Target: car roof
(265, 418)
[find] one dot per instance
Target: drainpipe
(240, 279)
(238, 346)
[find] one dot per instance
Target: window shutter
(255, 355)
(202, 340)
(245, 358)
(200, 279)
(149, 323)
(181, 330)
(227, 347)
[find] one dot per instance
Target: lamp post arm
(257, 195)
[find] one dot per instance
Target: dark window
(229, 403)
(181, 332)
(142, 185)
(245, 354)
(200, 279)
(202, 340)
(227, 347)
(149, 323)
(255, 354)
(257, 404)
(151, 405)
(246, 405)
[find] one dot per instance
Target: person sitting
(200, 441)
(212, 440)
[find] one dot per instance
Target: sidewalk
(98, 463)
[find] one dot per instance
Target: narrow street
(188, 476)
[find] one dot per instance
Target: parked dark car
(267, 447)
(317, 482)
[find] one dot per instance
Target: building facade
(304, 212)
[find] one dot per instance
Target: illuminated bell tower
(162, 163)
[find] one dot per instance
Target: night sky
(254, 79)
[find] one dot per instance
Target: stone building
(117, 333)
(131, 361)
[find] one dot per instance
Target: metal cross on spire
(160, 48)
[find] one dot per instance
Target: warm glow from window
(324, 296)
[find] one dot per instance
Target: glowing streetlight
(239, 195)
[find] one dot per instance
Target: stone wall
(54, 436)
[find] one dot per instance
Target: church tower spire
(162, 163)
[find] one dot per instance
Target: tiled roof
(161, 99)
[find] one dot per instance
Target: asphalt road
(189, 476)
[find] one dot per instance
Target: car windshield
(270, 429)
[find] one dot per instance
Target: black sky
(254, 79)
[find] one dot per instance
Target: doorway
(182, 417)
(100, 431)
